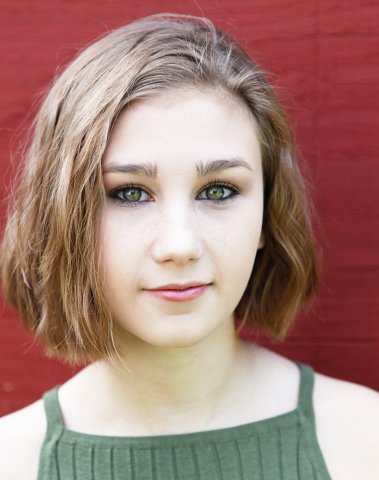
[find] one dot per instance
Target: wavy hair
(48, 252)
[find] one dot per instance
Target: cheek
(117, 243)
(119, 235)
(238, 234)
(230, 237)
(234, 249)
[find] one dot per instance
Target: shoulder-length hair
(49, 253)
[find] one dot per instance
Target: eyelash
(113, 193)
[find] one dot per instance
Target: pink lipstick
(180, 295)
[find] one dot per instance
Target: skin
(182, 368)
(178, 232)
(175, 233)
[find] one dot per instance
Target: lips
(179, 286)
(174, 292)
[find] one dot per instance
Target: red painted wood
(324, 62)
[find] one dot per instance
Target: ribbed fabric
(284, 447)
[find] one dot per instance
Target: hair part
(48, 255)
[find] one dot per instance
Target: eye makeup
(119, 195)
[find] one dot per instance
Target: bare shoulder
(347, 423)
(21, 438)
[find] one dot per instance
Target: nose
(177, 237)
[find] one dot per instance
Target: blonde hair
(48, 252)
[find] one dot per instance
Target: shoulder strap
(305, 405)
(52, 409)
(311, 446)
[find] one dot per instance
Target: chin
(168, 336)
(175, 330)
(177, 339)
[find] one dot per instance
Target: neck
(173, 389)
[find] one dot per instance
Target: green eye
(131, 194)
(217, 192)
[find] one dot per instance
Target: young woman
(160, 209)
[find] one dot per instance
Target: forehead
(183, 126)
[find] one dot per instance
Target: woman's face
(183, 178)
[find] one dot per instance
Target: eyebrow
(203, 168)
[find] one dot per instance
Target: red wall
(324, 61)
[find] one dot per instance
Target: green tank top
(283, 447)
